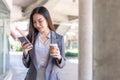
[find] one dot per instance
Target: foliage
(71, 54)
(19, 48)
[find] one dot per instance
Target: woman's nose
(37, 24)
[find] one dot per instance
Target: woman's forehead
(37, 16)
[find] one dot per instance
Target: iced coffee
(52, 47)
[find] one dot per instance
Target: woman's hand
(26, 47)
(55, 53)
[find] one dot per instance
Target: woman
(43, 65)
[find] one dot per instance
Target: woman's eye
(40, 21)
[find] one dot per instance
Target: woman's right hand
(26, 47)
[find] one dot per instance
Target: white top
(41, 54)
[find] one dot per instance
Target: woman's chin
(41, 31)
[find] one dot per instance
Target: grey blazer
(53, 65)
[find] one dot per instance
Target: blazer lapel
(32, 55)
(49, 65)
(53, 37)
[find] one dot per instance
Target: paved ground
(18, 71)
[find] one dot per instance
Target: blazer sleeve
(61, 63)
(26, 60)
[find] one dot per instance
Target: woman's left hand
(55, 53)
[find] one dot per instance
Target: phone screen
(23, 39)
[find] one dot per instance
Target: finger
(26, 45)
(55, 52)
(27, 49)
(53, 55)
(23, 43)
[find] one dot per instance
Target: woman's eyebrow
(40, 19)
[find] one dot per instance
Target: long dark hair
(32, 30)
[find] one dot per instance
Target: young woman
(43, 65)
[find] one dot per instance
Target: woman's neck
(45, 33)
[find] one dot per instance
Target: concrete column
(85, 40)
(106, 39)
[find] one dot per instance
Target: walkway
(18, 71)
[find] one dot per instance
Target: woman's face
(40, 22)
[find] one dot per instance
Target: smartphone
(23, 39)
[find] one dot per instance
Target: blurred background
(99, 37)
(15, 13)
